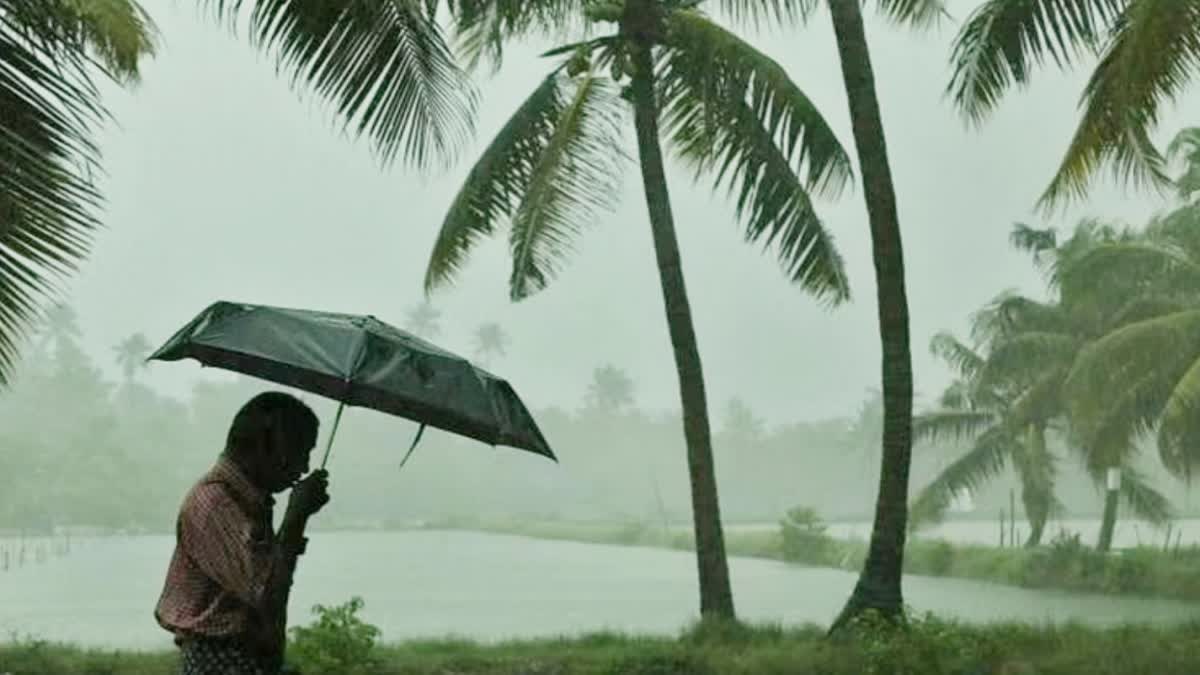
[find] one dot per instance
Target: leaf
(483, 26)
(384, 64)
(577, 175)
(915, 13)
(706, 70)
(497, 182)
(1149, 61)
(964, 360)
(1003, 40)
(49, 110)
(1143, 499)
(755, 13)
(983, 461)
(734, 114)
(952, 425)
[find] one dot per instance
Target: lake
(490, 587)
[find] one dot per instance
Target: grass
(927, 646)
(1064, 563)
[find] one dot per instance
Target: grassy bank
(927, 647)
(1064, 563)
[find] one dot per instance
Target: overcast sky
(223, 184)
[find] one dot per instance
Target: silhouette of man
(225, 595)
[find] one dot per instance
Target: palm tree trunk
(878, 585)
(1108, 521)
(716, 595)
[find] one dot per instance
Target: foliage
(803, 535)
(922, 645)
(337, 642)
(51, 54)
(1147, 51)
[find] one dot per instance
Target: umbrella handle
(333, 432)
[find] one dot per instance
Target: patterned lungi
(218, 657)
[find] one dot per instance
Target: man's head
(271, 438)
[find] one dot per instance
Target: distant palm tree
(131, 354)
(422, 321)
(490, 341)
(741, 421)
(50, 106)
(60, 324)
(610, 390)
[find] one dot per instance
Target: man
(225, 596)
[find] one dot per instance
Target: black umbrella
(359, 361)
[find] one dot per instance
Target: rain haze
(223, 181)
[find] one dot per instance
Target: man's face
(286, 464)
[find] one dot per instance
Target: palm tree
(131, 354)
(60, 324)
(1143, 374)
(490, 341)
(741, 421)
(1014, 391)
(50, 54)
(422, 320)
(725, 108)
(610, 389)
(1146, 49)
(879, 584)
(982, 411)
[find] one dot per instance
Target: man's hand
(309, 496)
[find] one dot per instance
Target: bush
(804, 539)
(338, 642)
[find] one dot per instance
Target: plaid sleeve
(219, 538)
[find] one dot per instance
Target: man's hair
(264, 413)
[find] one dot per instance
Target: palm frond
(1039, 402)
(1185, 148)
(941, 425)
(1149, 60)
(1179, 425)
(1120, 384)
(984, 461)
(577, 175)
(1025, 356)
(755, 13)
(1126, 262)
(706, 72)
(916, 13)
(49, 110)
(1146, 502)
(1009, 314)
(1002, 41)
(964, 360)
(733, 113)
(116, 34)
(497, 182)
(483, 26)
(384, 65)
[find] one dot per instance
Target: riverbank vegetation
(338, 641)
(1064, 563)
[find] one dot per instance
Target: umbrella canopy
(359, 361)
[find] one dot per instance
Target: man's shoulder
(205, 496)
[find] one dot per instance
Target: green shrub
(338, 642)
(803, 537)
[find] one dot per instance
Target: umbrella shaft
(333, 432)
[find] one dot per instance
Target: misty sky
(223, 184)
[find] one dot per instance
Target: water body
(492, 587)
